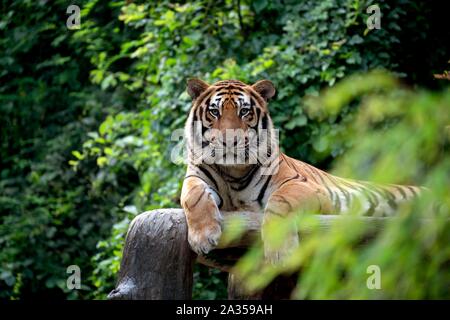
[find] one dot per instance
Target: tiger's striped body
(292, 186)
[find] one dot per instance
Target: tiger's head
(229, 122)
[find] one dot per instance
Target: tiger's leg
(291, 198)
(202, 215)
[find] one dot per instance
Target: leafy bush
(412, 251)
(49, 220)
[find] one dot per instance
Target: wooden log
(227, 253)
(157, 262)
(251, 223)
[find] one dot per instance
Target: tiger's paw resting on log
(202, 215)
(293, 196)
(276, 254)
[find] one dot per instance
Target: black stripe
(226, 83)
(233, 86)
(346, 194)
(221, 201)
(200, 113)
(209, 175)
(207, 94)
(339, 190)
(402, 192)
(263, 190)
(257, 113)
(259, 99)
(283, 200)
(373, 200)
(383, 194)
(205, 144)
(220, 198)
(391, 200)
(264, 121)
(371, 195)
(324, 184)
(199, 198)
(273, 212)
(370, 211)
(312, 175)
(373, 189)
(246, 180)
(196, 176)
(367, 193)
(338, 202)
(288, 163)
(412, 190)
(236, 93)
(287, 180)
(260, 179)
(231, 178)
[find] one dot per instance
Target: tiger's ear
(195, 87)
(265, 88)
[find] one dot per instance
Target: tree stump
(158, 263)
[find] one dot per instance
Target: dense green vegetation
(87, 115)
(411, 252)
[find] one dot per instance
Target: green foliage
(412, 251)
(48, 218)
(209, 284)
(87, 115)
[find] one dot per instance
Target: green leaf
(77, 155)
(102, 161)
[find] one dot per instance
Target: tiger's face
(229, 121)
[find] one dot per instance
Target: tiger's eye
(244, 112)
(214, 112)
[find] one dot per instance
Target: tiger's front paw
(205, 239)
(277, 254)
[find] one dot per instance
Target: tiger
(273, 184)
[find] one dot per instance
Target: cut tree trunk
(157, 262)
